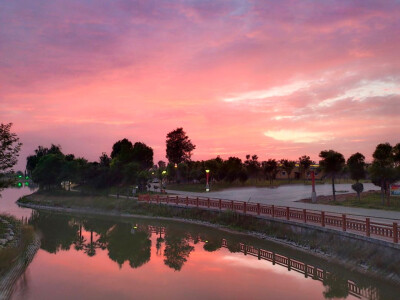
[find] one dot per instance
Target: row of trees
(128, 164)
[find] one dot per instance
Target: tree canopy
(179, 146)
(9, 151)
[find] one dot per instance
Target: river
(83, 257)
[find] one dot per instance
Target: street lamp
(207, 177)
(163, 173)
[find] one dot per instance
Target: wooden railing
(354, 224)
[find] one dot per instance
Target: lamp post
(207, 178)
(161, 183)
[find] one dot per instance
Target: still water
(107, 258)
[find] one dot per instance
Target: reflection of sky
(302, 76)
(220, 274)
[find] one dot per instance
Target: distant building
(298, 174)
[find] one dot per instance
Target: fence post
(208, 202)
(322, 218)
(158, 199)
(187, 200)
(395, 233)
(177, 200)
(288, 264)
(305, 215)
(367, 227)
(244, 207)
(259, 254)
(258, 208)
(220, 204)
(167, 199)
(344, 222)
(197, 201)
(287, 213)
(233, 209)
(273, 211)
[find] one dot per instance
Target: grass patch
(369, 200)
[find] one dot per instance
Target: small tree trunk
(382, 195)
(333, 188)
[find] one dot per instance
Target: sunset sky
(275, 78)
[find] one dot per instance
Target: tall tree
(252, 165)
(288, 166)
(332, 164)
(305, 163)
(383, 170)
(9, 150)
(123, 151)
(270, 168)
(143, 155)
(179, 146)
(356, 165)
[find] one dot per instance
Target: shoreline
(374, 273)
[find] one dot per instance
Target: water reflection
(130, 243)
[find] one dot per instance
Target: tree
(288, 166)
(383, 170)
(9, 151)
(304, 164)
(122, 151)
(142, 154)
(270, 168)
(358, 187)
(252, 165)
(332, 163)
(179, 146)
(32, 160)
(48, 172)
(356, 165)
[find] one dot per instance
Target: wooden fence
(361, 226)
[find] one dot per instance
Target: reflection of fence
(303, 268)
(342, 222)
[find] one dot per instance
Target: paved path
(287, 195)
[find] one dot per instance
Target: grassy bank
(371, 199)
(219, 186)
(24, 235)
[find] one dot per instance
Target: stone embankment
(7, 237)
(10, 277)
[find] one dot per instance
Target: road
(287, 195)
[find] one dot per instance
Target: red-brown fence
(361, 226)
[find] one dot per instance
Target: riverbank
(355, 254)
(368, 199)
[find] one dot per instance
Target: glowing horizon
(276, 79)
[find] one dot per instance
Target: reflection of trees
(124, 245)
(80, 240)
(233, 246)
(213, 244)
(160, 240)
(336, 286)
(177, 249)
(57, 233)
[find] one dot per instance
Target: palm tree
(332, 163)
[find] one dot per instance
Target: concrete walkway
(287, 195)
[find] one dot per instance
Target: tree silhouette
(179, 146)
(332, 163)
(177, 250)
(9, 149)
